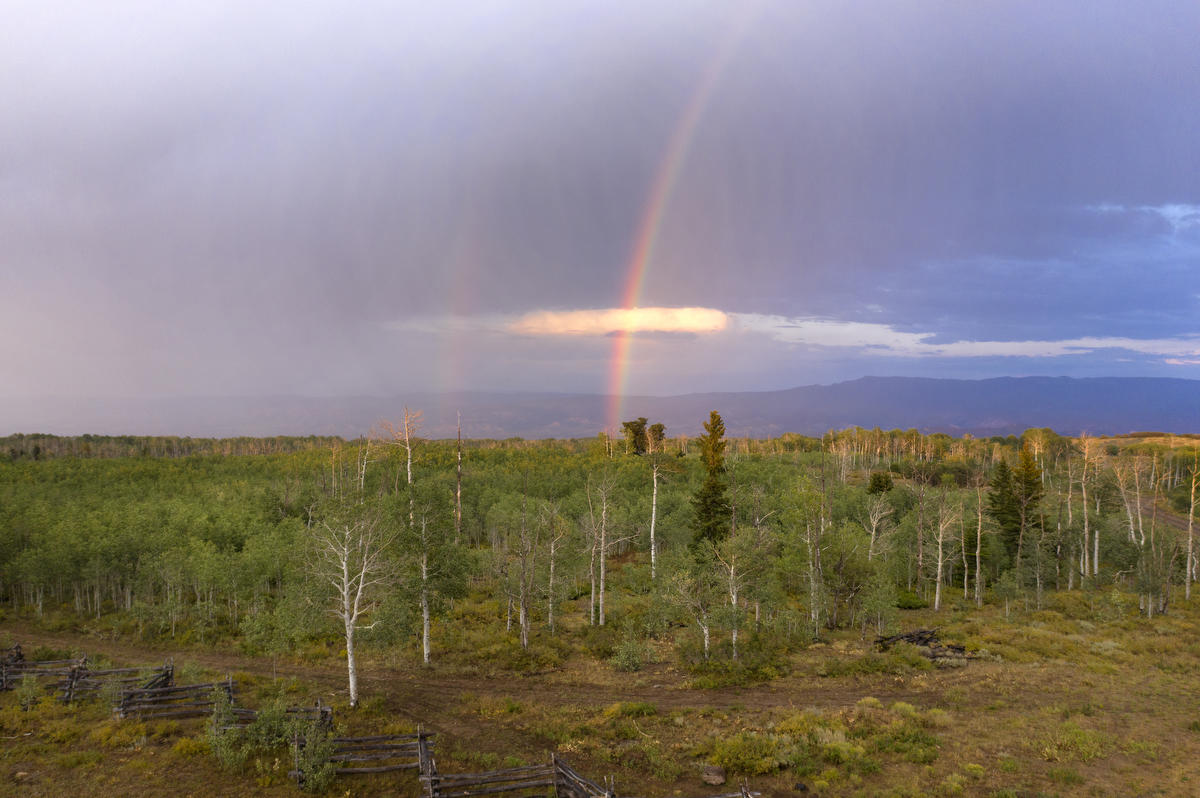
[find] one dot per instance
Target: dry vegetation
(1081, 698)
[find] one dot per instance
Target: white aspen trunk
(362, 468)
(550, 587)
(351, 665)
(348, 620)
(425, 607)
(814, 611)
(1122, 476)
(703, 621)
(408, 428)
(937, 590)
(979, 547)
(962, 542)
(458, 486)
(523, 618)
(603, 549)
(1189, 573)
(1137, 496)
(1070, 488)
(653, 519)
(592, 580)
(526, 581)
(1083, 492)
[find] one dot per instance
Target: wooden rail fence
(82, 682)
(182, 701)
(14, 667)
(392, 752)
(319, 714)
(157, 698)
(567, 783)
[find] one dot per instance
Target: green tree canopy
(711, 522)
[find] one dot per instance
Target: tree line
(750, 544)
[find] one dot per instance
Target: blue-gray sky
(241, 198)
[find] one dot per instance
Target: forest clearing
(563, 599)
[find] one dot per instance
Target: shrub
(28, 692)
(628, 655)
(80, 759)
(912, 743)
(746, 753)
(1071, 742)
(313, 759)
(190, 746)
(973, 770)
(224, 738)
(630, 709)
(601, 641)
(900, 659)
(908, 600)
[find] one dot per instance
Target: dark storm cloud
(227, 198)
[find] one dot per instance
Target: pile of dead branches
(929, 646)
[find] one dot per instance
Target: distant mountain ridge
(998, 406)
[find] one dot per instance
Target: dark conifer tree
(711, 503)
(1002, 506)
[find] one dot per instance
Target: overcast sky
(294, 198)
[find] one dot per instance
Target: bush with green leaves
(225, 737)
(313, 758)
(28, 692)
(629, 655)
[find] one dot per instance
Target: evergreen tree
(1002, 506)
(711, 521)
(1027, 496)
(1013, 500)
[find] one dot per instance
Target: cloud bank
(886, 339)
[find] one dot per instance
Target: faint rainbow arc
(665, 178)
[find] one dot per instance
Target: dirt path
(423, 695)
(1165, 515)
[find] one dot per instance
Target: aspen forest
(222, 540)
(646, 566)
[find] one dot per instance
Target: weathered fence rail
(158, 698)
(572, 785)
(182, 701)
(14, 667)
(567, 783)
(393, 752)
(82, 682)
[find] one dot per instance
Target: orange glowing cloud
(620, 320)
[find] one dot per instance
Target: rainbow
(657, 201)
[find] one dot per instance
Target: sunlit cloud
(617, 320)
(885, 339)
